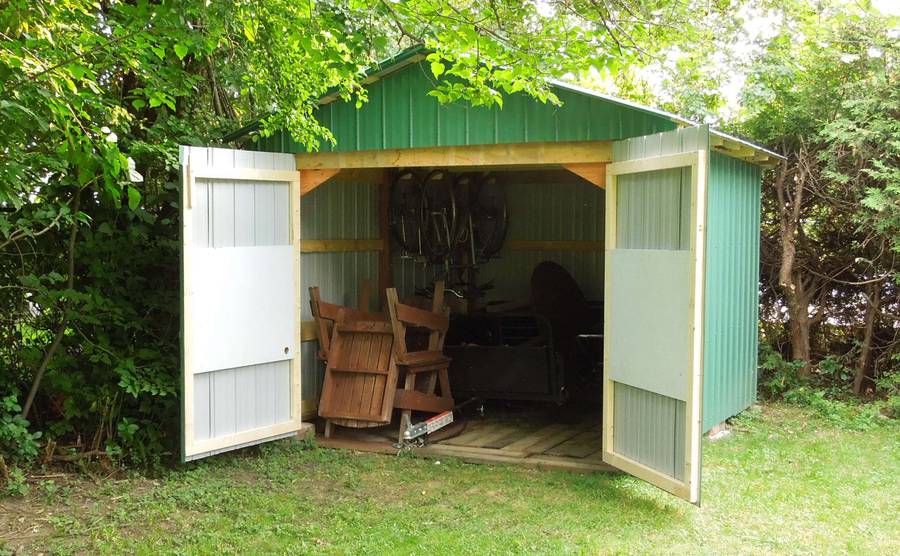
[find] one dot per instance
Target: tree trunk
(789, 186)
(873, 307)
(61, 329)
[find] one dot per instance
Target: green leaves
(134, 198)
(181, 51)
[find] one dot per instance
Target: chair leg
(445, 384)
(328, 426)
(405, 418)
(406, 415)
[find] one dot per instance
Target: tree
(94, 93)
(825, 93)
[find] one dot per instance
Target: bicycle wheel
(406, 193)
(490, 219)
(437, 216)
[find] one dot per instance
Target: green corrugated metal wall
(732, 289)
(400, 114)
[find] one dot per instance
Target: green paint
(400, 114)
(732, 289)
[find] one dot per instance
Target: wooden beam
(339, 245)
(419, 401)
(592, 172)
(385, 279)
(506, 154)
(553, 245)
(308, 331)
(313, 178)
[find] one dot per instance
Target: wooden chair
(423, 369)
(325, 315)
(341, 395)
(360, 375)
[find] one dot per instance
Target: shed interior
(526, 325)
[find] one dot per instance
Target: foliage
(16, 441)
(824, 92)
(827, 392)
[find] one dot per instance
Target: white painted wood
(245, 298)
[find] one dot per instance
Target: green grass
(784, 482)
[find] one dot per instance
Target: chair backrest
(326, 314)
(436, 321)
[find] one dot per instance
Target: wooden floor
(572, 446)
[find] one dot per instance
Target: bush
(16, 441)
(827, 391)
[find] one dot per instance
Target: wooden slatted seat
(339, 391)
(360, 375)
(424, 368)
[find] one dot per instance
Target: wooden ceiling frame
(587, 159)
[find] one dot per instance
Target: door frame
(697, 161)
(190, 173)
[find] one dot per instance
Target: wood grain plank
(534, 437)
(578, 446)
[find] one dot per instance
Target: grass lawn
(784, 482)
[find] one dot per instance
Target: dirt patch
(28, 522)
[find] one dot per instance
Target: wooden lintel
(313, 178)
(552, 245)
(592, 172)
(340, 245)
(505, 154)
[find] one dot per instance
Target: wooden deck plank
(554, 440)
(578, 446)
(474, 432)
(536, 436)
(492, 436)
(517, 433)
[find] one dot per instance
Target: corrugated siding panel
(400, 114)
(336, 210)
(654, 210)
(646, 429)
(732, 289)
(538, 211)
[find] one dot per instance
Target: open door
(240, 299)
(653, 343)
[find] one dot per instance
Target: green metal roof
(400, 114)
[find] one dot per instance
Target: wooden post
(385, 280)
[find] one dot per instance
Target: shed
(654, 218)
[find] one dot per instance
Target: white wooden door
(240, 299)
(653, 332)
